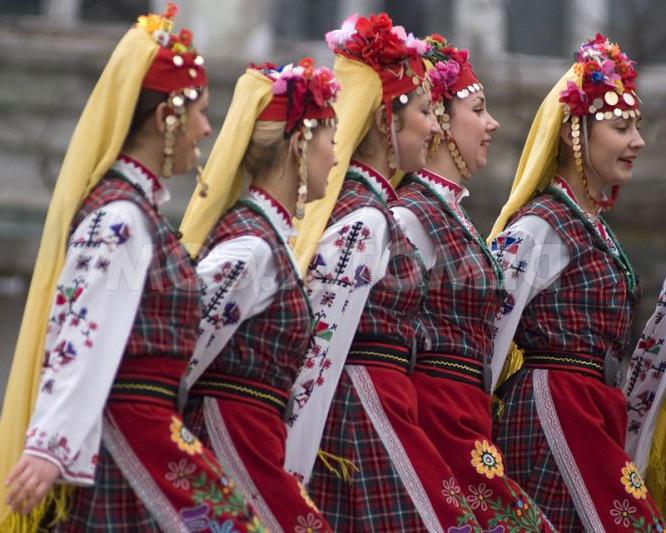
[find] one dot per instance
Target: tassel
(345, 465)
(54, 508)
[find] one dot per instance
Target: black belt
(605, 368)
(457, 368)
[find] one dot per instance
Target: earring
(306, 135)
(452, 147)
(176, 119)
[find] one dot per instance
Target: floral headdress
(303, 97)
(604, 88)
(390, 51)
(451, 76)
(176, 70)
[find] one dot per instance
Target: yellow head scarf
(223, 173)
(95, 145)
(360, 96)
(539, 158)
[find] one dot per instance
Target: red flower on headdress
(171, 10)
(185, 37)
(375, 41)
(575, 98)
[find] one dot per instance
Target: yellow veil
(360, 96)
(536, 169)
(95, 145)
(223, 173)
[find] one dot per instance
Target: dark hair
(145, 108)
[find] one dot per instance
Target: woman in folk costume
(257, 320)
(112, 314)
(366, 284)
(562, 420)
(645, 389)
(465, 291)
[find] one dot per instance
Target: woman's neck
(148, 156)
(442, 163)
(281, 186)
(377, 161)
(576, 184)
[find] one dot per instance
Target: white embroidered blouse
(97, 295)
(645, 386)
(353, 254)
(246, 268)
(533, 256)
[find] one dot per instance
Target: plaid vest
(589, 309)
(170, 307)
(267, 348)
(394, 301)
(465, 286)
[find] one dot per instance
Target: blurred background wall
(51, 52)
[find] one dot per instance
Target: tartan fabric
(375, 499)
(110, 505)
(170, 307)
(395, 300)
(270, 347)
(153, 439)
(590, 307)
(527, 455)
(464, 289)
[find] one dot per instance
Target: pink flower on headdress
(610, 74)
(337, 38)
(575, 98)
(442, 76)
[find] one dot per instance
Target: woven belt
(234, 388)
(380, 354)
(457, 368)
(153, 389)
(591, 365)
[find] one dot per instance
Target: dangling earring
(437, 139)
(173, 121)
(452, 147)
(306, 135)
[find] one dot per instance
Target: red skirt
(153, 473)
(249, 439)
(399, 479)
(563, 435)
(457, 418)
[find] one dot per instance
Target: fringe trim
(344, 464)
(55, 505)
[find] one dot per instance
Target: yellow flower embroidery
(487, 460)
(633, 482)
(306, 497)
(186, 442)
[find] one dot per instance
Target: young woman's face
(613, 147)
(472, 128)
(320, 159)
(196, 128)
(415, 126)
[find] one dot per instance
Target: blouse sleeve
(417, 234)
(238, 277)
(532, 256)
(97, 295)
(352, 256)
(646, 387)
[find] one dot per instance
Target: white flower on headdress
(337, 38)
(162, 37)
(400, 32)
(419, 45)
